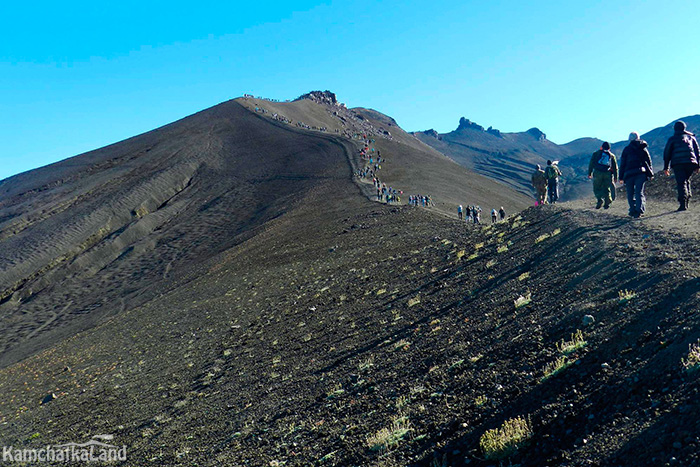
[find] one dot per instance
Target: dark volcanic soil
(344, 320)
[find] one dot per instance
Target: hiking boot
(599, 204)
(682, 207)
(607, 206)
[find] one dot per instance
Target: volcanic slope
(106, 231)
(348, 332)
(410, 166)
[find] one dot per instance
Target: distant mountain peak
(537, 134)
(322, 97)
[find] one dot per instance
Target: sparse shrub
(456, 364)
(414, 301)
(476, 358)
(541, 238)
(504, 441)
(576, 342)
(523, 276)
(335, 391)
(521, 301)
(402, 402)
(472, 256)
(692, 363)
(481, 400)
(625, 296)
(460, 253)
(389, 437)
(402, 344)
(366, 364)
(556, 367)
(491, 263)
(502, 249)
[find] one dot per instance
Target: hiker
(552, 173)
(459, 211)
(683, 154)
(494, 216)
(539, 183)
(635, 169)
(468, 213)
(603, 170)
(476, 213)
(502, 213)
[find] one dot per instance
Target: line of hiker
(681, 153)
(387, 193)
(546, 183)
(420, 200)
(373, 160)
(472, 214)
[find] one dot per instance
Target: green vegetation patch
(389, 437)
(577, 341)
(556, 367)
(504, 441)
(692, 363)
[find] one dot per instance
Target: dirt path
(660, 213)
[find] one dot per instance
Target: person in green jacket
(603, 170)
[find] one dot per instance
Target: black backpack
(604, 161)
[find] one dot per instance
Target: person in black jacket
(635, 170)
(683, 154)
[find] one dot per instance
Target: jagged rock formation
(494, 132)
(537, 134)
(432, 133)
(465, 123)
(322, 97)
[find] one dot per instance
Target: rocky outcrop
(465, 123)
(432, 133)
(322, 97)
(492, 131)
(537, 134)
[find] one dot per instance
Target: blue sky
(79, 75)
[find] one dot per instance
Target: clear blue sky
(75, 76)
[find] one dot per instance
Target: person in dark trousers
(552, 173)
(502, 213)
(683, 154)
(635, 169)
(603, 170)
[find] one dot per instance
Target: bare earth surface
(341, 331)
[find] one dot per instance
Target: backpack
(551, 173)
(603, 162)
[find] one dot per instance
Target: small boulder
(588, 320)
(48, 398)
